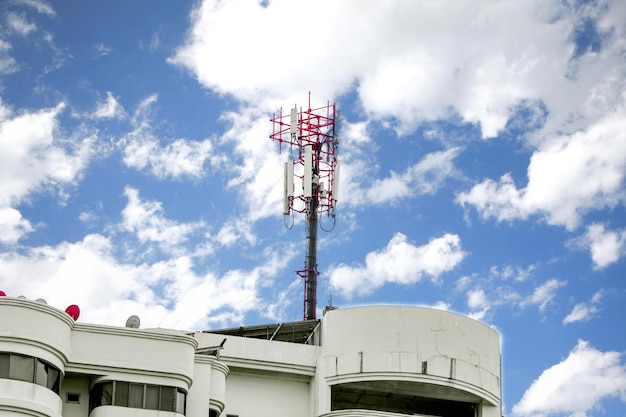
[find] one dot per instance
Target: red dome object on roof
(73, 311)
(2, 294)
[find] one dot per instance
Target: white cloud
(478, 303)
(606, 246)
(102, 50)
(12, 225)
(255, 163)
(8, 64)
(146, 219)
(179, 158)
(543, 294)
(109, 109)
(511, 52)
(425, 177)
(41, 6)
(585, 311)
(581, 312)
(442, 305)
(168, 293)
(576, 385)
(477, 299)
(359, 185)
(18, 23)
(568, 176)
(233, 231)
(399, 262)
(508, 271)
(35, 157)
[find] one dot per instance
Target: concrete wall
(415, 351)
(432, 348)
(250, 395)
(133, 355)
(35, 329)
(75, 384)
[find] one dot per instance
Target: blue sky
(483, 151)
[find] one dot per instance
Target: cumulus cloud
(513, 55)
(405, 68)
(478, 303)
(606, 246)
(254, 162)
(110, 108)
(399, 262)
(568, 176)
(576, 385)
(585, 311)
(425, 177)
(168, 293)
(543, 294)
(8, 64)
(40, 6)
(34, 156)
(518, 273)
(12, 225)
(18, 23)
(142, 148)
(146, 219)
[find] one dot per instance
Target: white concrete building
(378, 361)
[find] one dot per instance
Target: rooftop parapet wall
(151, 356)
(39, 330)
(242, 352)
(35, 329)
(404, 343)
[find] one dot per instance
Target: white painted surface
(436, 351)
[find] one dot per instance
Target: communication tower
(311, 182)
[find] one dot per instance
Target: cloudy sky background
(483, 149)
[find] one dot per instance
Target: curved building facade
(377, 361)
(408, 360)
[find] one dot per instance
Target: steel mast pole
(311, 278)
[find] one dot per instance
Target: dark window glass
(125, 394)
(29, 369)
(73, 397)
(54, 379)
(95, 397)
(152, 397)
(107, 394)
(41, 373)
(22, 368)
(121, 394)
(168, 399)
(4, 365)
(135, 395)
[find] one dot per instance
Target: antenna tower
(311, 138)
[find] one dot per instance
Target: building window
(29, 369)
(134, 395)
(22, 368)
(73, 398)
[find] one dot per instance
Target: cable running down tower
(311, 181)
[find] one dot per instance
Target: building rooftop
(293, 332)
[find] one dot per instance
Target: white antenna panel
(294, 122)
(288, 187)
(307, 181)
(336, 183)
